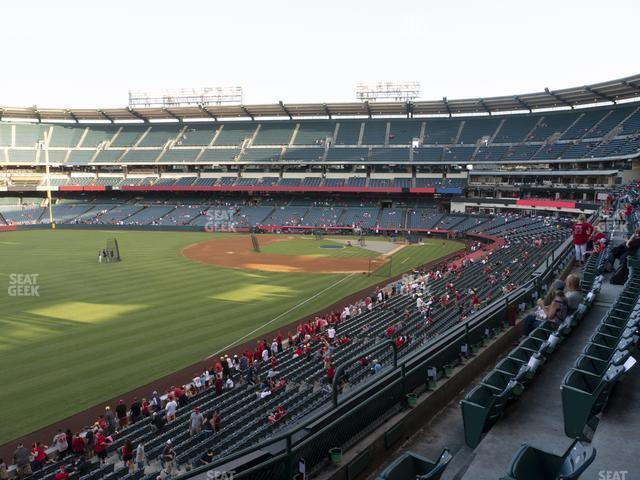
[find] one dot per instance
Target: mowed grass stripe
(57, 367)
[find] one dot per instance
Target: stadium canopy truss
(567, 98)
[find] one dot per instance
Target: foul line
(279, 316)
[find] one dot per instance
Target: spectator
(140, 456)
(4, 475)
(60, 443)
(556, 311)
(136, 410)
(39, 454)
(217, 418)
(101, 423)
(330, 373)
(170, 410)
(110, 418)
(77, 445)
(207, 426)
(555, 286)
(145, 408)
(88, 442)
(331, 333)
(158, 421)
(276, 415)
(622, 251)
(163, 475)
(573, 292)
(62, 474)
(582, 231)
(155, 404)
(127, 454)
(168, 457)
(69, 436)
(81, 466)
(195, 422)
(21, 460)
(100, 446)
(121, 413)
(207, 457)
(375, 367)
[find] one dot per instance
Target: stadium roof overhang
(598, 93)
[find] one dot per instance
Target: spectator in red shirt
(101, 423)
(127, 454)
(77, 445)
(582, 231)
(216, 420)
(62, 474)
(475, 301)
(100, 446)
(38, 451)
(330, 373)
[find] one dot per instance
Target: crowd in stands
(433, 293)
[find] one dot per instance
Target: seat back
(476, 408)
(576, 460)
(408, 466)
(527, 465)
(438, 468)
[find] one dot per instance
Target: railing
(363, 408)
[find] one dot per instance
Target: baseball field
(74, 333)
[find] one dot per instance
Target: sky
(88, 54)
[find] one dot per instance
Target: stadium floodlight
(185, 97)
(398, 91)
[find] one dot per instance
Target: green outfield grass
(97, 331)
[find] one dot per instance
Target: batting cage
(111, 252)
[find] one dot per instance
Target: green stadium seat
(610, 355)
(530, 463)
(411, 466)
(533, 344)
(591, 365)
(611, 342)
(481, 408)
(498, 381)
(511, 366)
(583, 396)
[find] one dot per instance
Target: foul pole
(48, 179)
